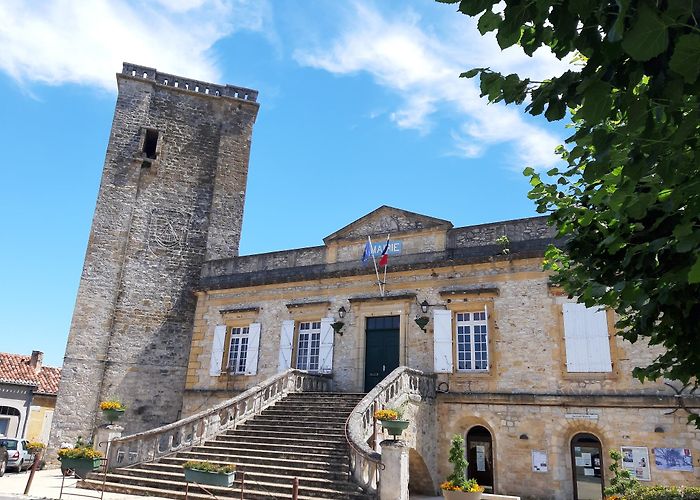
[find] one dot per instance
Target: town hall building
(539, 386)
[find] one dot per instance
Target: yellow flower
(111, 405)
(386, 415)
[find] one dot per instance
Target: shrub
(209, 467)
(456, 481)
(622, 481)
(664, 493)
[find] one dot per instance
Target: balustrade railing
(191, 431)
(395, 389)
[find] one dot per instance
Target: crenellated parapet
(189, 84)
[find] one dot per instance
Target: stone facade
(166, 306)
(526, 400)
(171, 196)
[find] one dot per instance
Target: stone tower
(171, 197)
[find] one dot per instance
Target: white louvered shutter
(286, 344)
(251, 362)
(217, 350)
(598, 340)
(325, 352)
(442, 341)
(586, 339)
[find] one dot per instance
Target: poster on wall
(539, 461)
(480, 458)
(678, 459)
(636, 460)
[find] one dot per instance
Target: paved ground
(47, 484)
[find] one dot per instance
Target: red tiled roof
(16, 369)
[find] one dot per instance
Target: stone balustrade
(191, 431)
(398, 387)
(188, 83)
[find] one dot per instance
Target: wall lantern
(424, 306)
(341, 312)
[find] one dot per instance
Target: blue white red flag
(368, 252)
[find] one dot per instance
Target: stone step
(292, 427)
(224, 443)
(296, 435)
(335, 464)
(324, 408)
(301, 436)
(270, 483)
(252, 491)
(301, 418)
(293, 413)
(300, 470)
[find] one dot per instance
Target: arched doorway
(587, 467)
(480, 456)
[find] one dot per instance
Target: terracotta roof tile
(16, 369)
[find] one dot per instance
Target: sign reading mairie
(377, 248)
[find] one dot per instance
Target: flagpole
(376, 270)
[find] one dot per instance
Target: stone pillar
(393, 479)
(104, 434)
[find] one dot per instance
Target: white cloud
(421, 64)
(85, 42)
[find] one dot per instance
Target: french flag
(384, 259)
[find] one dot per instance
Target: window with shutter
(586, 339)
(472, 341)
(238, 349)
(308, 346)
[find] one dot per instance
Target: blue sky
(361, 105)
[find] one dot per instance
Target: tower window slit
(150, 143)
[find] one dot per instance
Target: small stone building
(27, 396)
(539, 386)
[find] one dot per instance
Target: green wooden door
(381, 348)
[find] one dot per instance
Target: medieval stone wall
(155, 222)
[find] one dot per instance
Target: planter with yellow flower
(457, 487)
(391, 421)
(82, 460)
(112, 410)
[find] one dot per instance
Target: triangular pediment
(387, 220)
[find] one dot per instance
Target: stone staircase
(302, 436)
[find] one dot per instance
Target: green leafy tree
(627, 199)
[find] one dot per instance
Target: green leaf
(489, 21)
(471, 73)
(686, 57)
(597, 102)
(615, 33)
(556, 110)
(694, 273)
(648, 37)
(473, 7)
